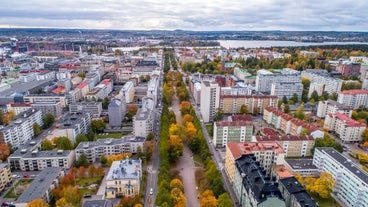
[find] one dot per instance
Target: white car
(151, 191)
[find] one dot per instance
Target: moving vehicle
(151, 191)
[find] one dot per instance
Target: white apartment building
(128, 91)
(21, 130)
(32, 98)
(351, 181)
(330, 107)
(353, 98)
(265, 78)
(315, 86)
(143, 122)
(210, 96)
(331, 85)
(231, 131)
(95, 108)
(347, 128)
(287, 89)
(48, 107)
(94, 150)
(18, 107)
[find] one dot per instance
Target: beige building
(128, 91)
(267, 154)
(124, 178)
(231, 104)
(294, 146)
(347, 128)
(5, 176)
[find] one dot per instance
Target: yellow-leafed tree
(38, 203)
(176, 183)
(324, 185)
(208, 199)
(178, 197)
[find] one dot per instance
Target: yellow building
(5, 176)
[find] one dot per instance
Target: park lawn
(329, 202)
(109, 135)
(23, 182)
(84, 191)
(197, 160)
(88, 181)
(209, 128)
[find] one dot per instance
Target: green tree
(306, 83)
(286, 108)
(324, 96)
(90, 135)
(224, 200)
(1, 117)
(314, 96)
(150, 136)
(295, 98)
(365, 135)
(333, 96)
(284, 100)
(305, 132)
(82, 161)
(299, 113)
(175, 148)
(80, 138)
(327, 141)
(98, 126)
(103, 160)
(64, 143)
(218, 115)
(105, 103)
(244, 109)
(37, 130)
(139, 152)
(46, 145)
(82, 75)
(48, 120)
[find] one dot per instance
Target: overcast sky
(334, 15)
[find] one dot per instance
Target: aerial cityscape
(183, 104)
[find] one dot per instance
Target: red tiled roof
(282, 172)
(20, 104)
(287, 117)
(82, 85)
(234, 123)
(58, 90)
(269, 131)
(349, 121)
(240, 148)
(234, 149)
(243, 117)
(354, 92)
(274, 138)
(105, 81)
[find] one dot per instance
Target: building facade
(48, 107)
(115, 113)
(95, 108)
(232, 131)
(330, 107)
(143, 122)
(353, 98)
(286, 89)
(5, 176)
(265, 78)
(210, 95)
(231, 104)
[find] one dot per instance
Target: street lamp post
(241, 191)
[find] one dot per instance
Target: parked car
(87, 196)
(151, 191)
(26, 176)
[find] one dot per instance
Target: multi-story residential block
(109, 146)
(347, 128)
(128, 91)
(303, 167)
(294, 146)
(74, 95)
(252, 187)
(331, 85)
(232, 131)
(123, 178)
(349, 69)
(21, 129)
(84, 88)
(231, 104)
(95, 108)
(71, 125)
(143, 122)
(32, 98)
(34, 160)
(295, 194)
(242, 74)
(331, 107)
(267, 154)
(42, 187)
(316, 86)
(281, 89)
(265, 78)
(5, 176)
(210, 95)
(18, 107)
(353, 98)
(48, 107)
(288, 123)
(364, 71)
(115, 113)
(96, 94)
(351, 181)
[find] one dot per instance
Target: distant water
(271, 43)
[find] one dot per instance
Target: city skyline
(217, 15)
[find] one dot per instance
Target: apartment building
(348, 68)
(210, 95)
(252, 187)
(265, 78)
(331, 85)
(353, 98)
(347, 128)
(41, 188)
(95, 108)
(316, 86)
(71, 125)
(281, 89)
(48, 107)
(143, 122)
(231, 104)
(232, 131)
(21, 129)
(303, 167)
(351, 181)
(364, 71)
(74, 95)
(330, 107)
(36, 160)
(293, 145)
(84, 88)
(295, 194)
(115, 113)
(33, 98)
(5, 176)
(123, 178)
(18, 107)
(267, 154)
(94, 150)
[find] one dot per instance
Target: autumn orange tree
(321, 186)
(208, 199)
(185, 107)
(112, 158)
(175, 147)
(4, 151)
(38, 203)
(177, 193)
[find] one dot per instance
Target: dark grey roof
(348, 164)
(255, 179)
(40, 185)
(294, 188)
(97, 203)
(337, 104)
(299, 164)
